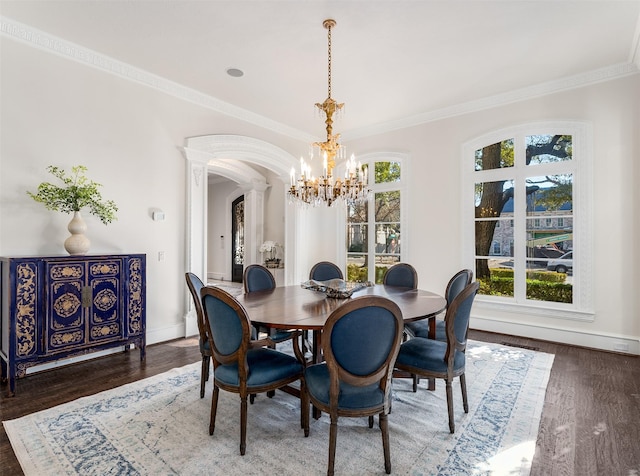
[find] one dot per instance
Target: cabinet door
(65, 317)
(106, 317)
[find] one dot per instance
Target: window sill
(546, 310)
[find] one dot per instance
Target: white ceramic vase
(77, 243)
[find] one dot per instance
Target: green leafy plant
(77, 193)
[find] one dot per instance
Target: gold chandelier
(327, 190)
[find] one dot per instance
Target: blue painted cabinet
(63, 306)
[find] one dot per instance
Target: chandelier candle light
(328, 190)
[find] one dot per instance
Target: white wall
(274, 210)
(219, 249)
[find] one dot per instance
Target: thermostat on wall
(158, 216)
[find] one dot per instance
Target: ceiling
(394, 63)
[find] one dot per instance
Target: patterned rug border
(136, 437)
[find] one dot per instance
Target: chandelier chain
(329, 56)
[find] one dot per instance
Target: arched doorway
(228, 156)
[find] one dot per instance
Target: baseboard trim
(611, 343)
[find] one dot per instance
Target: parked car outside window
(562, 264)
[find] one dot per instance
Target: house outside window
(527, 193)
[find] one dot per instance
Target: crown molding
(66, 49)
(538, 90)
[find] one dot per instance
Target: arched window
(531, 186)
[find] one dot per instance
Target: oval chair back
(257, 278)
(457, 283)
(229, 326)
(457, 320)
(401, 274)
(324, 271)
(361, 340)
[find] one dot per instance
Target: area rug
(159, 426)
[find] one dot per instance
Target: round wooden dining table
(293, 307)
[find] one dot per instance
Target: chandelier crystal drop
(327, 189)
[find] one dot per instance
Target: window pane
(550, 195)
(357, 213)
(495, 278)
(493, 199)
(357, 269)
(546, 285)
(544, 243)
(387, 206)
(357, 237)
(495, 156)
(387, 172)
(493, 240)
(542, 149)
(388, 238)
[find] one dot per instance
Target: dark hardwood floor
(590, 423)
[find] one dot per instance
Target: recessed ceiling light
(235, 72)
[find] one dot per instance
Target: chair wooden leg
(463, 386)
(452, 425)
(252, 398)
(243, 424)
(204, 374)
(370, 421)
(384, 428)
(415, 382)
(333, 435)
(214, 408)
(304, 408)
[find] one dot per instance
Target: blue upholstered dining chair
(432, 358)
(324, 271)
(401, 274)
(321, 271)
(455, 286)
(360, 341)
(195, 285)
(258, 278)
(245, 366)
